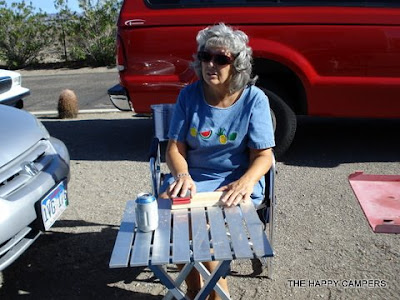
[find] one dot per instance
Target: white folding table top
(217, 233)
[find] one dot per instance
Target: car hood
(7, 73)
(19, 130)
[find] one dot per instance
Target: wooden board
(202, 200)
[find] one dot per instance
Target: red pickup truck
(316, 58)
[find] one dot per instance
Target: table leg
(211, 280)
(168, 281)
(181, 277)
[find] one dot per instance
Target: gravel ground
(323, 243)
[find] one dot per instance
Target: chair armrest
(154, 148)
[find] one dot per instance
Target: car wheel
(20, 104)
(284, 120)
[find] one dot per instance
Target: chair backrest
(264, 209)
(162, 115)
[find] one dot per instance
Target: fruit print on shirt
(205, 135)
(193, 132)
(222, 137)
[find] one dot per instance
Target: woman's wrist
(249, 179)
(180, 175)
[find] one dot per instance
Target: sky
(47, 5)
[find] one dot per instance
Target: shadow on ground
(104, 139)
(329, 142)
(71, 266)
(75, 266)
(319, 142)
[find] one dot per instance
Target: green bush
(94, 33)
(87, 37)
(23, 34)
(63, 26)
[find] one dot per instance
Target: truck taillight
(120, 55)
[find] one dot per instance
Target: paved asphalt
(321, 231)
(90, 86)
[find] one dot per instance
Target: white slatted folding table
(218, 234)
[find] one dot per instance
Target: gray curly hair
(236, 42)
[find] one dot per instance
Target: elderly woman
(221, 132)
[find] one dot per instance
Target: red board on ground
(379, 197)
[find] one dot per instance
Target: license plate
(53, 205)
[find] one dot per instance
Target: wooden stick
(202, 200)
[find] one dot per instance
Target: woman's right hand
(180, 187)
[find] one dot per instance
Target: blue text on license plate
(53, 205)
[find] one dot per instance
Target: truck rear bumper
(119, 98)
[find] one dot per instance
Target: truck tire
(285, 122)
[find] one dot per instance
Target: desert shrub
(24, 33)
(63, 24)
(88, 36)
(93, 38)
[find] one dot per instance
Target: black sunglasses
(219, 59)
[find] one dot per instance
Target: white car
(11, 90)
(34, 173)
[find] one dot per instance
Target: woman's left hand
(236, 192)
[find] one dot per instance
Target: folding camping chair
(162, 114)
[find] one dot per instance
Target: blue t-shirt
(218, 139)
